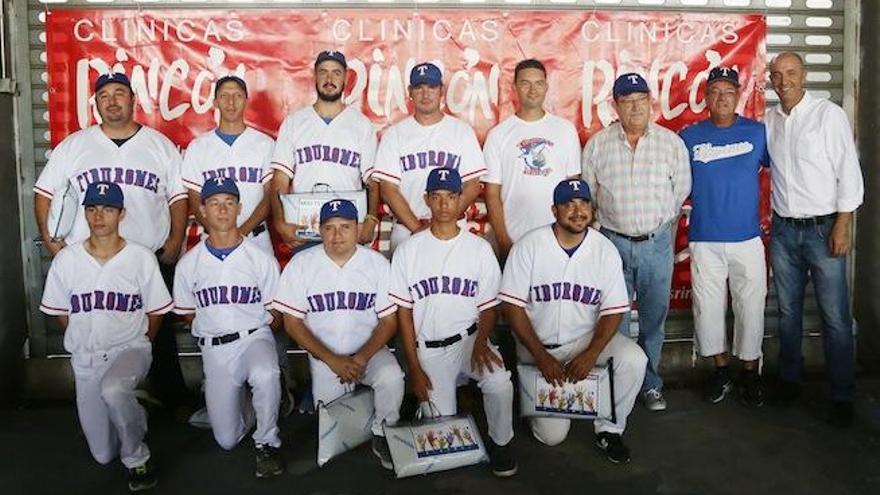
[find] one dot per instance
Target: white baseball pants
(443, 365)
(743, 266)
(251, 359)
(111, 418)
(383, 375)
(629, 372)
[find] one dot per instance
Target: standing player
(445, 282)
(427, 140)
(146, 165)
(336, 306)
(526, 156)
(566, 332)
(109, 297)
(224, 286)
(727, 152)
(326, 143)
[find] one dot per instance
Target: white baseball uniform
(107, 308)
(312, 151)
(246, 161)
(564, 297)
(342, 306)
(528, 159)
(409, 151)
(146, 167)
(231, 296)
(446, 284)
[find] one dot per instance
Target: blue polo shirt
(725, 162)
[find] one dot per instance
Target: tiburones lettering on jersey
(324, 153)
(238, 174)
(118, 175)
(105, 301)
(223, 294)
(566, 291)
(341, 300)
(456, 286)
(431, 158)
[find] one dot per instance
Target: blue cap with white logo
(112, 77)
(628, 84)
(446, 179)
(570, 189)
(104, 194)
(425, 73)
(338, 208)
(333, 55)
(219, 185)
(723, 74)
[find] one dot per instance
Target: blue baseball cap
(425, 73)
(104, 194)
(219, 185)
(570, 189)
(628, 84)
(112, 77)
(446, 179)
(231, 78)
(338, 208)
(333, 55)
(723, 74)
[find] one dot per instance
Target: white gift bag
(428, 445)
(590, 398)
(344, 423)
(304, 209)
(63, 211)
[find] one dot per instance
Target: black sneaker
(142, 477)
(841, 414)
(718, 386)
(612, 445)
(751, 390)
(380, 450)
(268, 461)
(501, 458)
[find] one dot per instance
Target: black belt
(634, 238)
(449, 340)
(808, 221)
(259, 229)
(552, 346)
(225, 339)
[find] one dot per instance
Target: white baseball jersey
(246, 161)
(528, 159)
(564, 296)
(146, 167)
(229, 295)
(107, 305)
(446, 283)
(340, 305)
(409, 151)
(339, 154)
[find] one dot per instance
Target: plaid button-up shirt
(637, 190)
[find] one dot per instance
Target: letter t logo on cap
(335, 205)
(575, 185)
(422, 69)
(219, 181)
(633, 79)
(444, 174)
(102, 188)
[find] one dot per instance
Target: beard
(329, 97)
(570, 227)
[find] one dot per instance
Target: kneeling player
(226, 284)
(109, 297)
(445, 281)
(564, 295)
(336, 307)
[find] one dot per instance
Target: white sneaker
(654, 400)
(200, 419)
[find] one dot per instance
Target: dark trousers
(165, 374)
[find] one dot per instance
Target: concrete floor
(693, 448)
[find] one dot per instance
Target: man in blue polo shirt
(726, 152)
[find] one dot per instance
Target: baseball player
(224, 286)
(726, 153)
(335, 304)
(325, 144)
(564, 296)
(445, 281)
(526, 156)
(146, 165)
(109, 298)
(427, 140)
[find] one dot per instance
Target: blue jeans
(796, 253)
(647, 269)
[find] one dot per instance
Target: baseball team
(580, 234)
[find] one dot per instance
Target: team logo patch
(707, 152)
(533, 156)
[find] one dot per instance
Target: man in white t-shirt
(526, 156)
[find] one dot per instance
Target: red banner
(174, 56)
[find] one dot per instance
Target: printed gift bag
(589, 398)
(304, 209)
(344, 423)
(428, 445)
